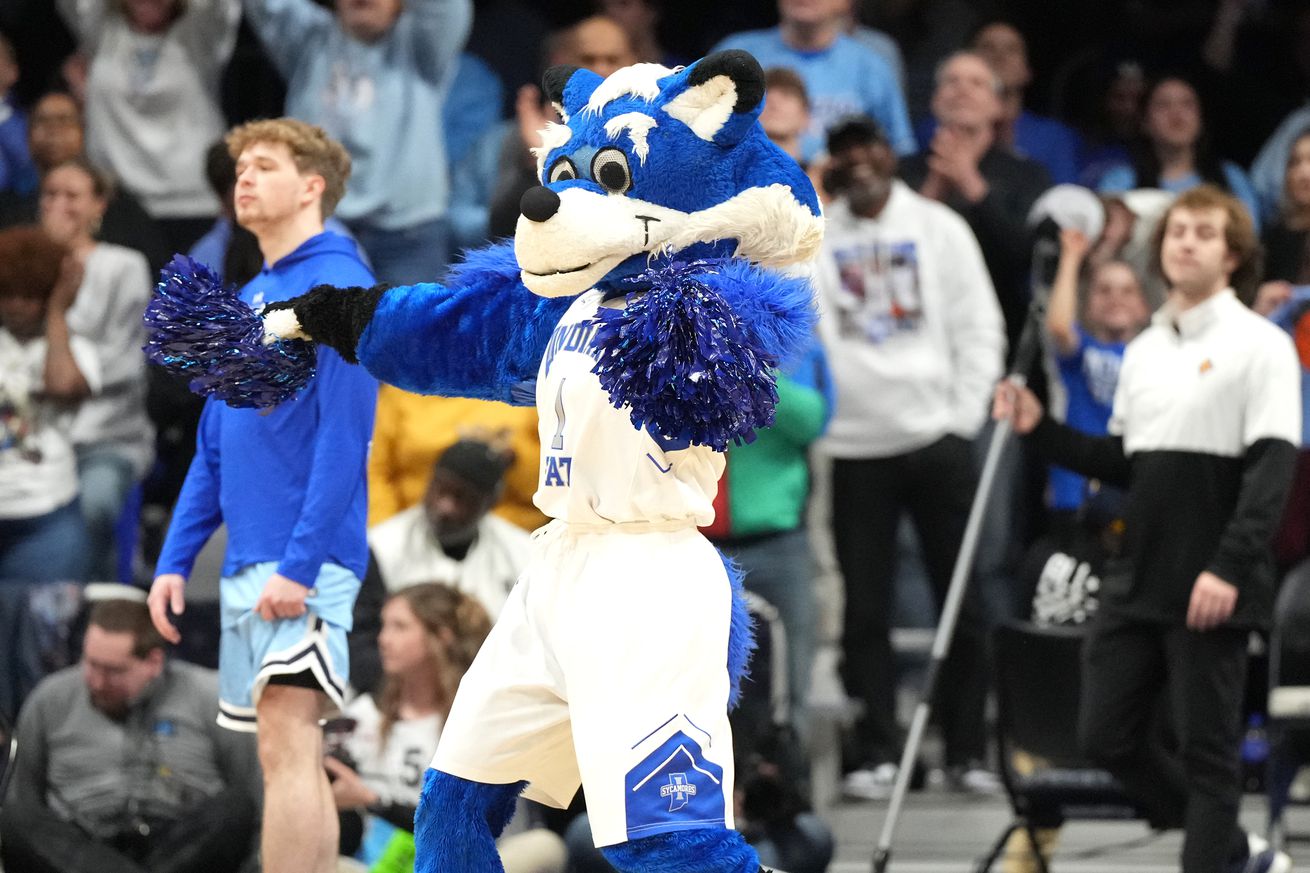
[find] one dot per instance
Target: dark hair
(220, 170)
(787, 79)
(128, 617)
(854, 130)
(1239, 235)
(29, 263)
(1146, 163)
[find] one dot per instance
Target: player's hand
(1017, 404)
(348, 790)
(166, 593)
(1213, 601)
(281, 598)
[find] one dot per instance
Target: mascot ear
(719, 97)
(569, 88)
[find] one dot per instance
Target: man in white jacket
(915, 339)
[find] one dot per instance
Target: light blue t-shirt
(847, 77)
(383, 100)
(1123, 177)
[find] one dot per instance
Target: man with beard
(123, 767)
(451, 536)
(913, 333)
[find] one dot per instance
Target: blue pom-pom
(201, 329)
(681, 360)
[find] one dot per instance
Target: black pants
(214, 836)
(935, 485)
(1128, 666)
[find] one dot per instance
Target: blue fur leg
(741, 633)
(702, 850)
(457, 823)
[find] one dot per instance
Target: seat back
(1038, 674)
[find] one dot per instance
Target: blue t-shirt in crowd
(17, 172)
(1090, 374)
(845, 78)
(1116, 180)
(288, 482)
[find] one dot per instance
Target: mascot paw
(282, 324)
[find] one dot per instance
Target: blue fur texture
(692, 357)
(700, 850)
(476, 336)
(201, 329)
(741, 633)
(458, 822)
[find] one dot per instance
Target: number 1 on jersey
(557, 443)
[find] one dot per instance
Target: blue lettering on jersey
(558, 469)
(575, 337)
(674, 788)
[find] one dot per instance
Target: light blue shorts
(251, 650)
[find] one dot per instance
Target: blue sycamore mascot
(641, 306)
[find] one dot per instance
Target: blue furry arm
(692, 358)
(477, 336)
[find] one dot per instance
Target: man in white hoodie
(915, 338)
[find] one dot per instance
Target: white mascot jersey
(596, 468)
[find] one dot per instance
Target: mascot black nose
(539, 203)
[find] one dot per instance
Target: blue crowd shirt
(17, 172)
(1122, 178)
(289, 482)
(847, 77)
(1090, 375)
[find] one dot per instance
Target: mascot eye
(561, 171)
(610, 169)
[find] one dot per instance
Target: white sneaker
(870, 783)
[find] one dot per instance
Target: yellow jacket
(412, 430)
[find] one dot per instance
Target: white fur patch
(552, 137)
(706, 107)
(282, 324)
(770, 225)
(638, 80)
(637, 124)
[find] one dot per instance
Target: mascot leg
(458, 822)
(701, 850)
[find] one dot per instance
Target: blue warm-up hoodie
(288, 482)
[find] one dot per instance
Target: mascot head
(655, 161)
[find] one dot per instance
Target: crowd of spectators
(932, 129)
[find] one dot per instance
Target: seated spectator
(1089, 350)
(430, 635)
(45, 372)
(124, 767)
(375, 76)
(113, 436)
(152, 99)
(1113, 120)
(842, 74)
(1045, 140)
(641, 20)
(1174, 153)
(17, 173)
(451, 535)
(1287, 258)
(413, 430)
(786, 113)
(55, 136)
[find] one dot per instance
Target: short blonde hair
(311, 148)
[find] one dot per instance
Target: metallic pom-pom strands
(679, 358)
(201, 329)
